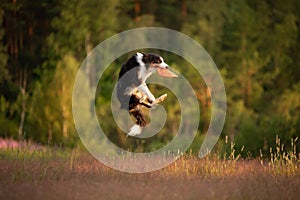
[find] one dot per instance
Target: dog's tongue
(166, 73)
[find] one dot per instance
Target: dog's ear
(145, 57)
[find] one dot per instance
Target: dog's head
(155, 62)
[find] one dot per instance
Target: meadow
(38, 172)
(255, 46)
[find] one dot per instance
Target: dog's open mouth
(164, 72)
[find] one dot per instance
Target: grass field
(54, 173)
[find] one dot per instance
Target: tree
(51, 120)
(3, 53)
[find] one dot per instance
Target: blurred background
(255, 44)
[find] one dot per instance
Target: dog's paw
(135, 130)
(151, 98)
(160, 99)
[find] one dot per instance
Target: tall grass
(50, 163)
(62, 173)
(284, 161)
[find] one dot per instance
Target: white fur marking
(135, 130)
(139, 59)
(142, 72)
(144, 89)
(163, 65)
(149, 73)
(130, 90)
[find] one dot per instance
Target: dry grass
(57, 174)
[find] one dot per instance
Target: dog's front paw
(161, 99)
(151, 99)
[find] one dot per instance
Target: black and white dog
(132, 90)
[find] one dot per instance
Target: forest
(254, 43)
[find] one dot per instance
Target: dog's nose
(167, 67)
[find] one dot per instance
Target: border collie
(132, 91)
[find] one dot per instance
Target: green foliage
(50, 116)
(3, 54)
(7, 126)
(81, 25)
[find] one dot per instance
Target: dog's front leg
(144, 89)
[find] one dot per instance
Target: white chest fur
(143, 73)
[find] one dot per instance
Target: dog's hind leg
(139, 123)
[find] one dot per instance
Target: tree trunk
(183, 9)
(64, 122)
(137, 10)
(50, 135)
(90, 71)
(23, 84)
(64, 114)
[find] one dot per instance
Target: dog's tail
(139, 123)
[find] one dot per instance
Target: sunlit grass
(46, 161)
(265, 176)
(284, 162)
